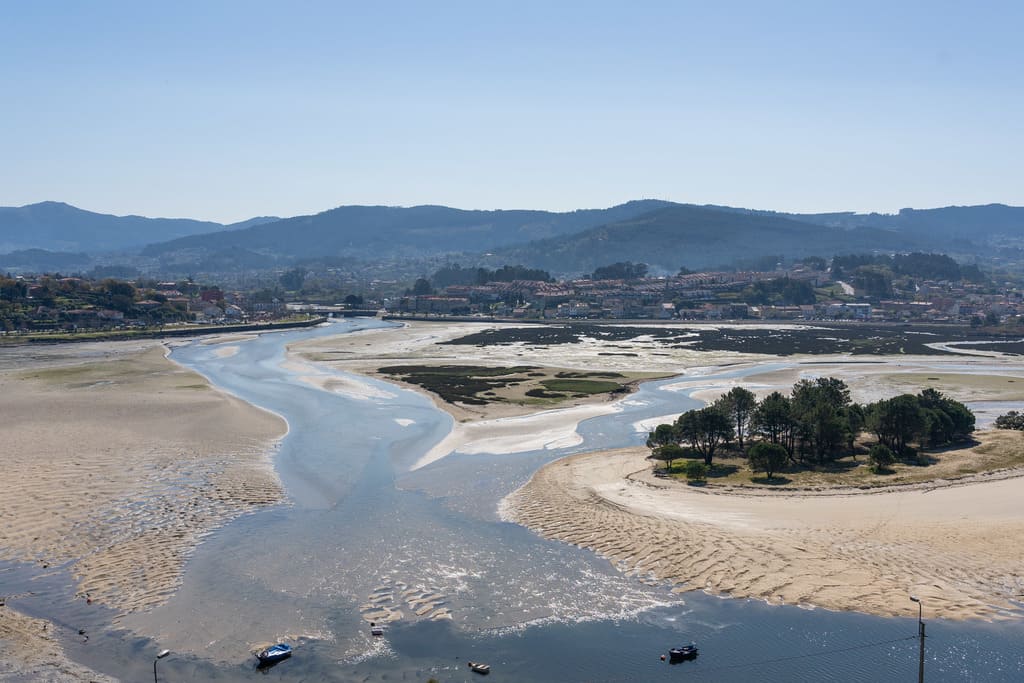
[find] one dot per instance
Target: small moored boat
(480, 668)
(678, 654)
(376, 630)
(274, 653)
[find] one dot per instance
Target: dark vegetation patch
(540, 393)
(480, 384)
(827, 338)
(586, 375)
(460, 383)
(1015, 348)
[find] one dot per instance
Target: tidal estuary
(362, 536)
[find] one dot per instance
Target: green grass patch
(580, 386)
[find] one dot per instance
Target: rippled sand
(957, 547)
(120, 465)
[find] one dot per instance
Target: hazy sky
(225, 110)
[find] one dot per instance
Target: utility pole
(920, 635)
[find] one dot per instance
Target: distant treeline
(916, 264)
(457, 275)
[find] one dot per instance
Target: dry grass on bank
(991, 450)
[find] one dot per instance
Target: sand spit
(117, 465)
(958, 547)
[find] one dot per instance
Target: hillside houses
(719, 295)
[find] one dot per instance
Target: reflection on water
(363, 539)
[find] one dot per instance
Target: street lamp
(159, 655)
(920, 634)
(914, 598)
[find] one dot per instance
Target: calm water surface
(360, 533)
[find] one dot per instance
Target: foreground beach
(955, 546)
(116, 463)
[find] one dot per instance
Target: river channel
(361, 535)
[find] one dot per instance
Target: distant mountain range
(387, 231)
(970, 224)
(663, 234)
(55, 226)
(701, 237)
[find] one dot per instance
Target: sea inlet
(363, 537)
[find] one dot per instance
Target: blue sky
(225, 110)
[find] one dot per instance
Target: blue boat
(274, 653)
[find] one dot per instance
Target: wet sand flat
(118, 463)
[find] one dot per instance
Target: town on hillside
(929, 288)
(916, 287)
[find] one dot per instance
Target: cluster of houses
(694, 296)
(42, 299)
(708, 296)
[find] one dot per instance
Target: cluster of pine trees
(817, 422)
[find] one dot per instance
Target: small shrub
(696, 471)
(1011, 420)
(881, 458)
(540, 393)
(767, 457)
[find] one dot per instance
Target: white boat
(480, 668)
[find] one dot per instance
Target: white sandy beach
(957, 547)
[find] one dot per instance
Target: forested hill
(662, 234)
(386, 231)
(948, 227)
(57, 226)
(699, 237)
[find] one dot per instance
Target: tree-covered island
(814, 435)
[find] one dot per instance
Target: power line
(807, 656)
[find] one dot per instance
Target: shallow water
(360, 533)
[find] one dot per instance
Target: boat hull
(274, 654)
(681, 654)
